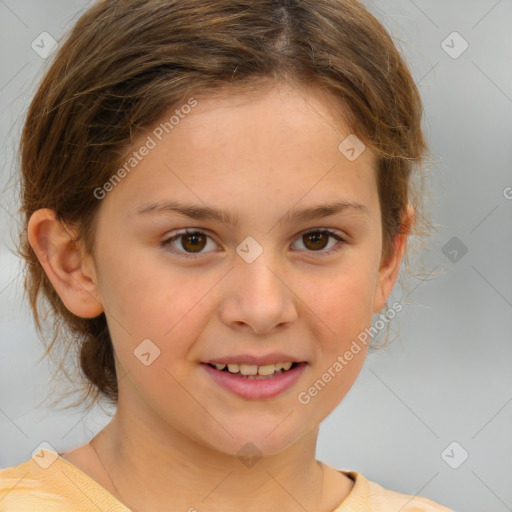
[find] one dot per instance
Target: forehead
(245, 149)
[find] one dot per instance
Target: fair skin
(173, 441)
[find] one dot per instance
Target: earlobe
(65, 263)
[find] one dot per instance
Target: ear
(388, 272)
(64, 259)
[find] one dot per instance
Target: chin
(258, 439)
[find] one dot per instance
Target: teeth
(268, 369)
(252, 369)
(249, 369)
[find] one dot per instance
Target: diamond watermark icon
(44, 45)
(249, 249)
(454, 45)
(249, 455)
(351, 147)
(454, 455)
(45, 455)
(146, 352)
(454, 249)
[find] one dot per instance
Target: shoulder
(382, 498)
(50, 483)
(368, 496)
(29, 485)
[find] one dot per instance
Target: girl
(217, 199)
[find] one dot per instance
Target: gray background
(448, 375)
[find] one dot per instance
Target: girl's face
(284, 265)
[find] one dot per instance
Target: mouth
(255, 382)
(253, 371)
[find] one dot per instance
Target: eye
(318, 239)
(192, 243)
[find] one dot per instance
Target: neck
(173, 472)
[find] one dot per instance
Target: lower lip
(256, 389)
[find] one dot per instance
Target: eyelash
(166, 244)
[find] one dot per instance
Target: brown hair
(126, 62)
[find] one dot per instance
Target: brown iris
(195, 242)
(318, 239)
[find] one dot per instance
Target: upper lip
(263, 360)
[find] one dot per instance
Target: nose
(257, 297)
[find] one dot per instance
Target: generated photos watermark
(150, 143)
(304, 397)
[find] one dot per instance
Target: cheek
(167, 308)
(148, 294)
(345, 306)
(344, 302)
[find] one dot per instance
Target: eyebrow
(200, 212)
